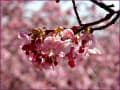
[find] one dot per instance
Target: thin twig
(107, 25)
(102, 5)
(77, 15)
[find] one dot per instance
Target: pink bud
(23, 35)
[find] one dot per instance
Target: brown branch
(102, 5)
(77, 15)
(57, 1)
(111, 5)
(107, 25)
(107, 17)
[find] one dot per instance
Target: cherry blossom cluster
(46, 48)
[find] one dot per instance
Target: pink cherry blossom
(67, 34)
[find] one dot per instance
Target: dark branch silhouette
(77, 15)
(110, 14)
(107, 17)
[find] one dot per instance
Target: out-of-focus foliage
(93, 72)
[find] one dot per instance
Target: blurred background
(93, 72)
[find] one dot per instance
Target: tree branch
(110, 11)
(110, 23)
(77, 15)
(102, 5)
(107, 17)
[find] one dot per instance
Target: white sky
(35, 5)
